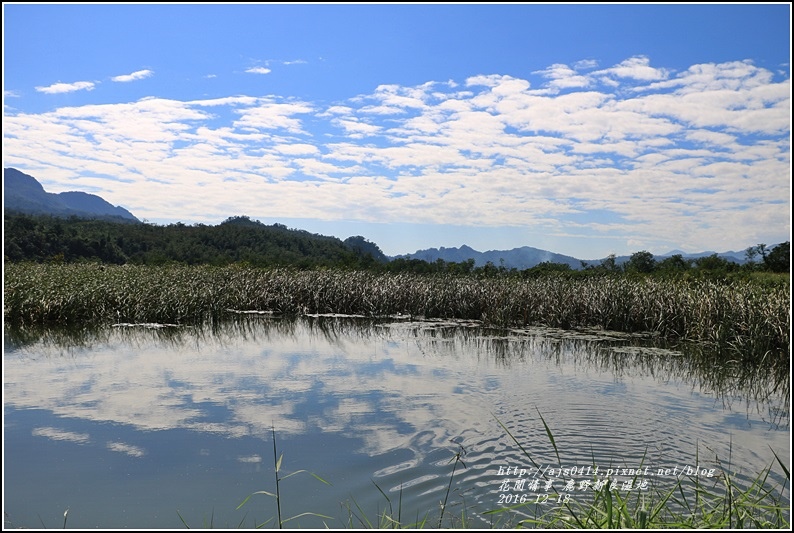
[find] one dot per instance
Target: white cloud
(57, 88)
(713, 138)
(297, 149)
(563, 77)
(585, 64)
(741, 109)
(357, 129)
(137, 75)
(401, 97)
(229, 100)
(336, 110)
(382, 110)
(491, 80)
(272, 115)
(258, 70)
(497, 153)
(637, 68)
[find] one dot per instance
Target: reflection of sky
(380, 386)
(61, 434)
(399, 395)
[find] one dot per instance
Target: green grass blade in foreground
(551, 436)
(363, 519)
(253, 493)
(515, 440)
(688, 504)
(183, 520)
(457, 460)
(788, 476)
(388, 500)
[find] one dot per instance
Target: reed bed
(745, 318)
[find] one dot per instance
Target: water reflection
(391, 402)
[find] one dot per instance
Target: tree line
(42, 238)
(775, 259)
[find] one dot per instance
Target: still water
(136, 427)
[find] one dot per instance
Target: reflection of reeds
(701, 365)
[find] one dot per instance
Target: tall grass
(750, 320)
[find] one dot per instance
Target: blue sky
(583, 129)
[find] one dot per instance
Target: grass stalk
(457, 460)
(277, 462)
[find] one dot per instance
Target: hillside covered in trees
(42, 238)
(237, 239)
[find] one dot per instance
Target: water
(146, 428)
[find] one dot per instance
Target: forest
(241, 240)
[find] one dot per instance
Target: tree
(674, 263)
(642, 262)
(750, 255)
(467, 266)
(610, 264)
(714, 262)
(762, 251)
(754, 251)
(779, 258)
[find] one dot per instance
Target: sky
(582, 129)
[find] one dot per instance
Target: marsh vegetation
(745, 318)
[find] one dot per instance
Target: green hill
(237, 239)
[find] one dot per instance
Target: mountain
(518, 258)
(528, 257)
(23, 193)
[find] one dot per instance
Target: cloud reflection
(61, 434)
(129, 449)
(402, 386)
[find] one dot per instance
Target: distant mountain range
(23, 193)
(527, 257)
(519, 258)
